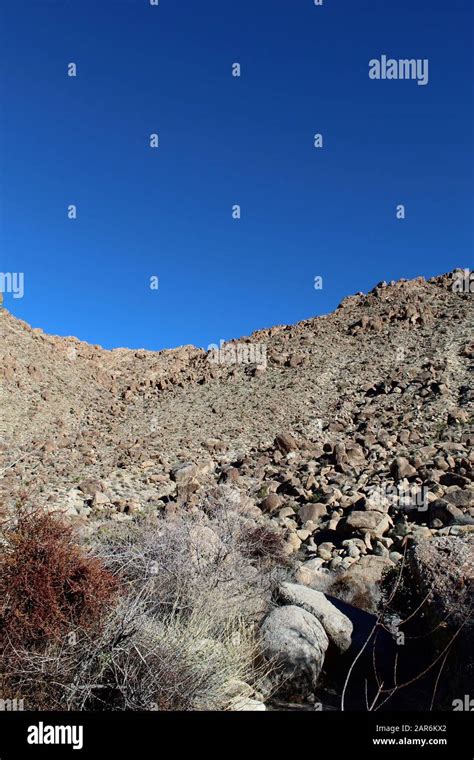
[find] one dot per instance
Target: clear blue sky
(225, 141)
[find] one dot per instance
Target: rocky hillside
(385, 375)
(351, 432)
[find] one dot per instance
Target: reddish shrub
(263, 542)
(48, 583)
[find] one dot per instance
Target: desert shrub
(262, 541)
(48, 584)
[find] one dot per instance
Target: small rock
(312, 512)
(401, 468)
(286, 443)
(325, 551)
(271, 503)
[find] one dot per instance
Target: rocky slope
(386, 374)
(353, 435)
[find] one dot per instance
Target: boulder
(355, 456)
(447, 514)
(340, 454)
(360, 584)
(271, 503)
(351, 455)
(184, 472)
(286, 443)
(313, 574)
(443, 567)
(460, 498)
(373, 522)
(401, 468)
(91, 487)
(296, 642)
(312, 512)
(337, 626)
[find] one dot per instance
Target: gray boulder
(296, 642)
(337, 626)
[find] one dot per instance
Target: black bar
(310, 733)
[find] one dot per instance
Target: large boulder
(443, 569)
(337, 626)
(360, 585)
(448, 513)
(460, 498)
(296, 642)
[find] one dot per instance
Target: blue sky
(306, 212)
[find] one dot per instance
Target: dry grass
(139, 663)
(224, 565)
